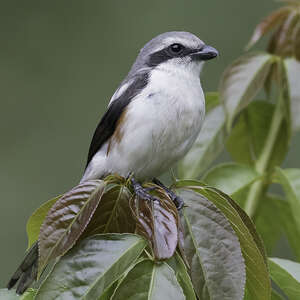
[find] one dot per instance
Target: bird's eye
(176, 49)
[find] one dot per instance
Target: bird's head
(177, 49)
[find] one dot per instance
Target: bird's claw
(142, 193)
(179, 203)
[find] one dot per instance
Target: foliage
(210, 250)
(258, 135)
(106, 243)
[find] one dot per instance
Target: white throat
(182, 68)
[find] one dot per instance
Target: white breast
(162, 123)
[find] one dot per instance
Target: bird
(151, 122)
(155, 115)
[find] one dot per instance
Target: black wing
(108, 123)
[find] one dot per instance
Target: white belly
(161, 126)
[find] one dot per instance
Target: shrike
(155, 115)
(151, 122)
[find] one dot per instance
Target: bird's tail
(26, 273)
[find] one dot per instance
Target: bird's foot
(179, 203)
(142, 193)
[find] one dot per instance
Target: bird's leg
(141, 192)
(176, 199)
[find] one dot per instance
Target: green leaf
(208, 145)
(29, 294)
(230, 177)
(202, 188)
(89, 268)
(269, 230)
(36, 220)
(158, 222)
(290, 229)
(286, 274)
(242, 81)
(187, 183)
(211, 101)
(290, 180)
(212, 249)
(240, 197)
(150, 280)
(67, 219)
(108, 293)
(247, 222)
(6, 294)
(248, 137)
(292, 68)
(177, 264)
(274, 208)
(275, 296)
(113, 215)
(257, 283)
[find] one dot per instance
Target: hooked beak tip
(206, 53)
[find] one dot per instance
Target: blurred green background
(61, 62)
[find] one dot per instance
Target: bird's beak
(206, 53)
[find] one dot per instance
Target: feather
(26, 273)
(109, 122)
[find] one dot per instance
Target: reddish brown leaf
(272, 45)
(284, 46)
(67, 219)
(282, 41)
(269, 23)
(297, 43)
(158, 222)
(291, 2)
(113, 215)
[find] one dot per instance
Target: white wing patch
(120, 91)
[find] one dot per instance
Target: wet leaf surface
(87, 270)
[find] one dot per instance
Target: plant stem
(261, 164)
